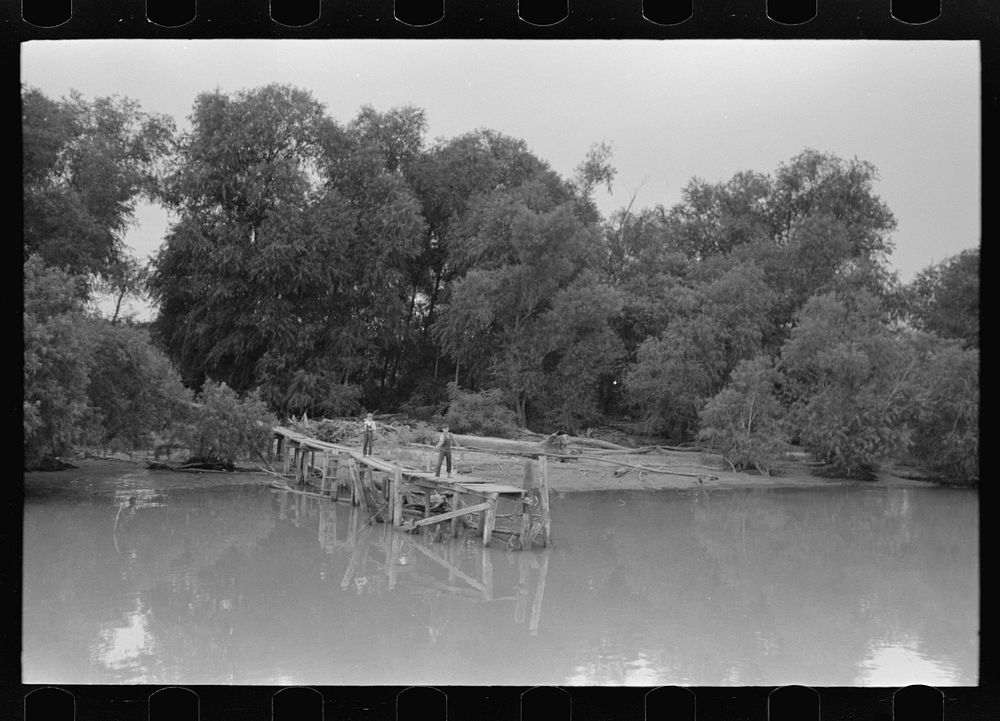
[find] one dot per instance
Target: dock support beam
(396, 489)
(489, 519)
(543, 473)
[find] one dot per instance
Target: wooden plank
(445, 486)
(492, 487)
(442, 517)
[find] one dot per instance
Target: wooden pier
(409, 498)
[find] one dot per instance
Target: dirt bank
(614, 471)
(641, 471)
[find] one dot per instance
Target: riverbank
(662, 470)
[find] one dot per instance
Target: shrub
(481, 412)
(318, 394)
(847, 378)
(133, 387)
(743, 422)
(224, 427)
(57, 352)
(945, 415)
(427, 400)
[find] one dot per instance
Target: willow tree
(523, 255)
(285, 269)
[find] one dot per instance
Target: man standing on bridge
(369, 435)
(444, 444)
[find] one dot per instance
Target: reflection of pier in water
(380, 560)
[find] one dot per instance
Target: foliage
(743, 422)
(581, 352)
(815, 226)
(330, 267)
(944, 298)
(428, 399)
(85, 164)
(849, 381)
(524, 245)
(86, 380)
(287, 268)
(57, 351)
(124, 279)
(481, 413)
(225, 427)
(133, 388)
(316, 394)
(712, 326)
(945, 412)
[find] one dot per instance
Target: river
(165, 578)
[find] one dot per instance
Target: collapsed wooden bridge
(409, 498)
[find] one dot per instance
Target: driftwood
(647, 469)
(505, 445)
(193, 468)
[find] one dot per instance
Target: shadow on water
(244, 584)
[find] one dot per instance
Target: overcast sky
(671, 110)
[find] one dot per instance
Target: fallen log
(647, 469)
(624, 452)
(506, 445)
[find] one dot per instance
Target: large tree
(520, 251)
(287, 266)
(817, 225)
(708, 327)
(86, 163)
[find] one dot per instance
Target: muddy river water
(161, 579)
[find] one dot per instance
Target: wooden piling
(489, 519)
(524, 522)
(543, 477)
(324, 471)
(357, 494)
(397, 496)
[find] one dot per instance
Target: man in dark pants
(444, 445)
(369, 435)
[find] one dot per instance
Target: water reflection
(127, 647)
(244, 584)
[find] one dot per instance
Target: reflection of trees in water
(75, 579)
(698, 588)
(799, 580)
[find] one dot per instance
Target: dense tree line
(330, 266)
